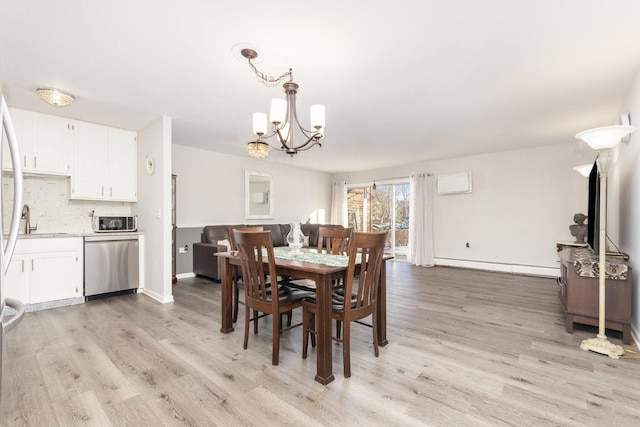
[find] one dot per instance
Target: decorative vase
(295, 238)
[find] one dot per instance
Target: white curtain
(338, 203)
(421, 221)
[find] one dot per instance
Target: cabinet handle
(23, 266)
(110, 191)
(103, 190)
(25, 161)
(33, 265)
(35, 162)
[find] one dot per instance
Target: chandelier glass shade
(258, 149)
(284, 118)
(55, 97)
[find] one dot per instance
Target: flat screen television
(593, 213)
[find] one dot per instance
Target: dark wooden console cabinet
(579, 299)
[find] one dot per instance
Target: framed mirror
(258, 195)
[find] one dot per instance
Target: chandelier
(283, 117)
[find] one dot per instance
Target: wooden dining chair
(334, 240)
(366, 251)
(237, 274)
(262, 295)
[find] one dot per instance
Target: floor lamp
(603, 139)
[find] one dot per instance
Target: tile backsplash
(52, 210)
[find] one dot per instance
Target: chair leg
(313, 329)
(289, 316)
(255, 321)
(276, 340)
(236, 297)
(374, 326)
(305, 331)
(338, 328)
(346, 350)
(246, 326)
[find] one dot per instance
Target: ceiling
(402, 82)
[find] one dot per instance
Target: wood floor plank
(465, 348)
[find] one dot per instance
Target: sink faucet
(26, 214)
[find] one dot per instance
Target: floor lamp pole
(601, 344)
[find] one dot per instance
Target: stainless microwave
(106, 224)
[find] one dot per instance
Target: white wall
(210, 189)
(624, 198)
(523, 202)
(154, 208)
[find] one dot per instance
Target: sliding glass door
(382, 207)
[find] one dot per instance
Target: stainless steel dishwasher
(111, 265)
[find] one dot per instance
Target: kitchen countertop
(38, 235)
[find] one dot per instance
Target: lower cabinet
(46, 269)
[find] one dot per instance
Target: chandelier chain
(269, 80)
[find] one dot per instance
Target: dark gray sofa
(205, 263)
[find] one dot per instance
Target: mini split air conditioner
(457, 183)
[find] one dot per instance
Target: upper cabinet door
(52, 145)
(122, 168)
(89, 177)
(23, 126)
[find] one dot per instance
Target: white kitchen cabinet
(105, 163)
(45, 143)
(123, 165)
(46, 269)
(89, 173)
(16, 282)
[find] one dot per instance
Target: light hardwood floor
(465, 348)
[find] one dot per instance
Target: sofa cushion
(213, 233)
(277, 238)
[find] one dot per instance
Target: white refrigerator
(11, 310)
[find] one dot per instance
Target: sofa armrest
(205, 263)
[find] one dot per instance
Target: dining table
(323, 270)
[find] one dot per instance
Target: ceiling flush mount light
(283, 117)
(603, 139)
(55, 97)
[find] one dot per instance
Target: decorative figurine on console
(579, 229)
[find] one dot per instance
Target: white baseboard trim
(156, 296)
(528, 270)
(185, 275)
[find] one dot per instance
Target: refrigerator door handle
(13, 322)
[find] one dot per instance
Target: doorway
(380, 207)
